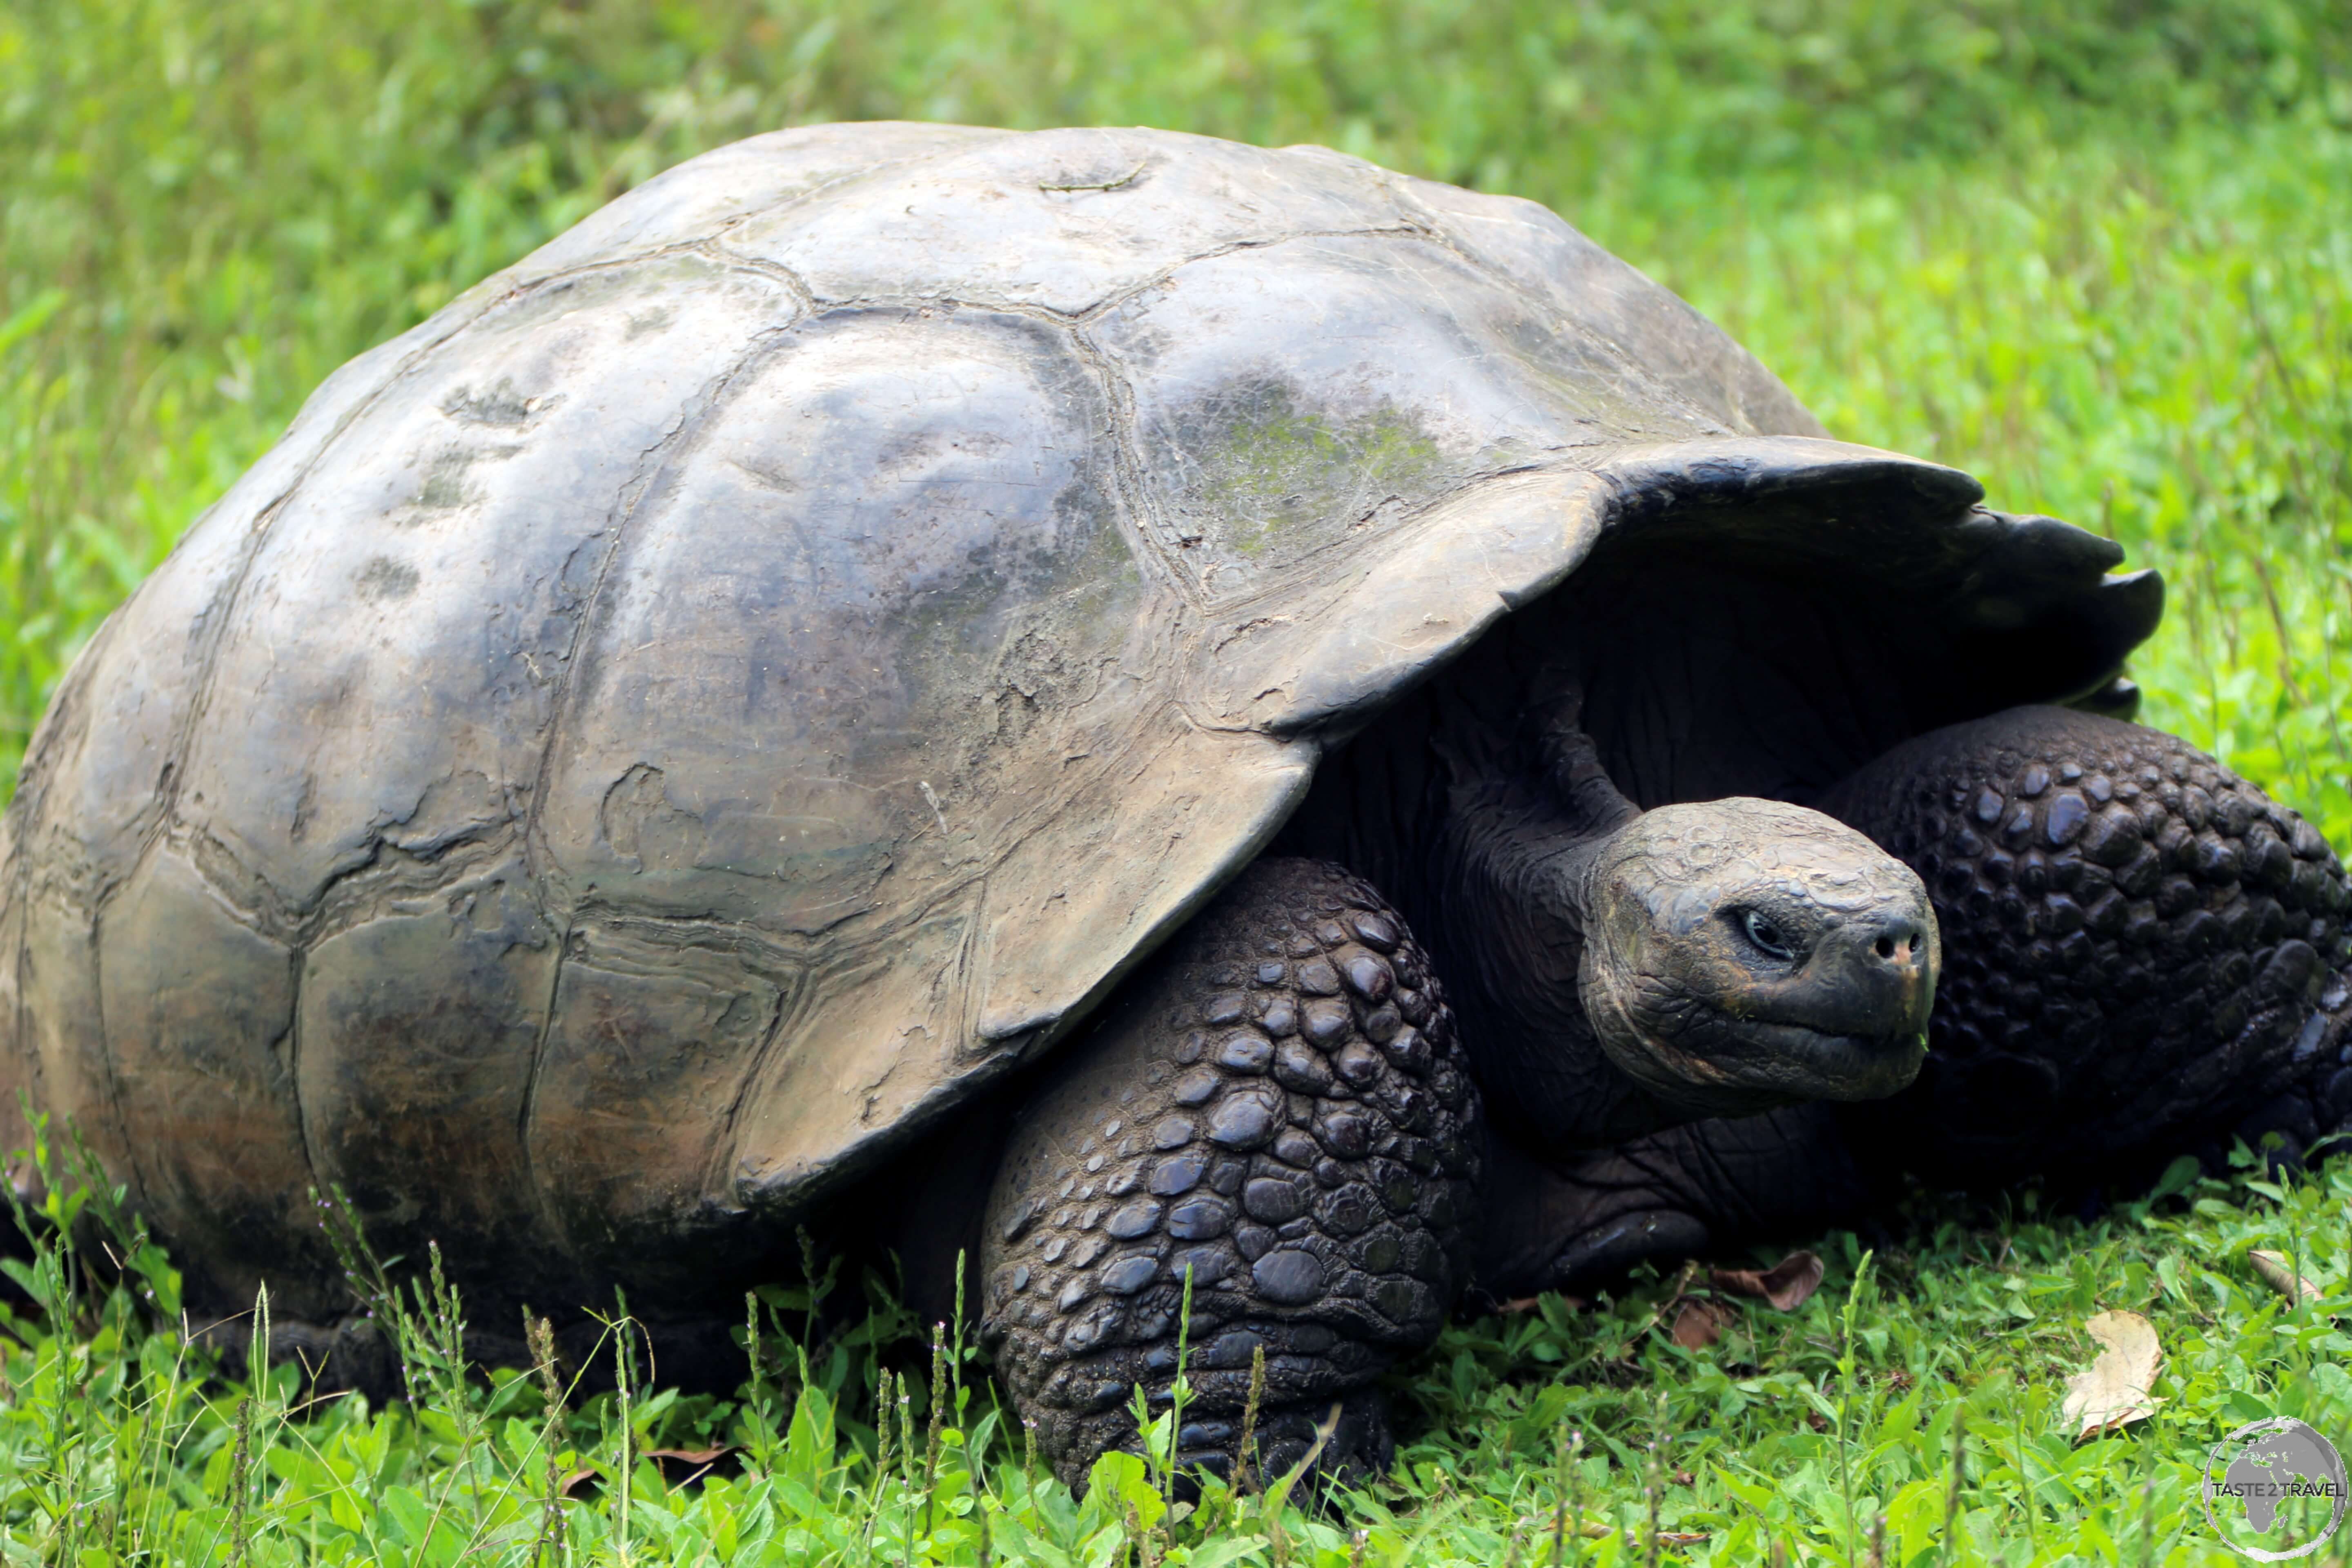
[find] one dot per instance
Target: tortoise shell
(663, 730)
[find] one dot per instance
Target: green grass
(1810, 1431)
(2095, 253)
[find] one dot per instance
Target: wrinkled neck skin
(1511, 867)
(1486, 828)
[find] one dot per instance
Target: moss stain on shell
(1277, 475)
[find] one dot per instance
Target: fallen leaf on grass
(1539, 1525)
(678, 1467)
(1787, 1285)
(1701, 1322)
(1595, 1530)
(2277, 1271)
(2116, 1388)
(671, 1461)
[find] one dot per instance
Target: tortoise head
(1620, 970)
(1742, 954)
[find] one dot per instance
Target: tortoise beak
(1853, 1020)
(1872, 978)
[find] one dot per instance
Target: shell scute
(199, 1008)
(708, 196)
(389, 672)
(1623, 326)
(1062, 220)
(420, 1028)
(654, 1034)
(775, 719)
(1314, 398)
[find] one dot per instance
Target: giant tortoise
(1168, 715)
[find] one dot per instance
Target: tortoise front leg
(1274, 1107)
(1700, 1189)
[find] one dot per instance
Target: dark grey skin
(2145, 958)
(1562, 1034)
(1286, 1105)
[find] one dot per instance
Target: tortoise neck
(1509, 874)
(1483, 822)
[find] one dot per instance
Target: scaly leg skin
(1277, 1106)
(354, 1353)
(1581, 1223)
(2142, 952)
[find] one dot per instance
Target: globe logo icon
(2274, 1489)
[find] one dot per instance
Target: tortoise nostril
(1903, 946)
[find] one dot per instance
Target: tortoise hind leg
(1275, 1109)
(2141, 950)
(352, 1353)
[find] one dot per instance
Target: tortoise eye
(1767, 937)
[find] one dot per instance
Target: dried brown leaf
(1592, 1530)
(679, 1467)
(2117, 1388)
(1701, 1322)
(1787, 1285)
(2277, 1270)
(690, 1455)
(1539, 1524)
